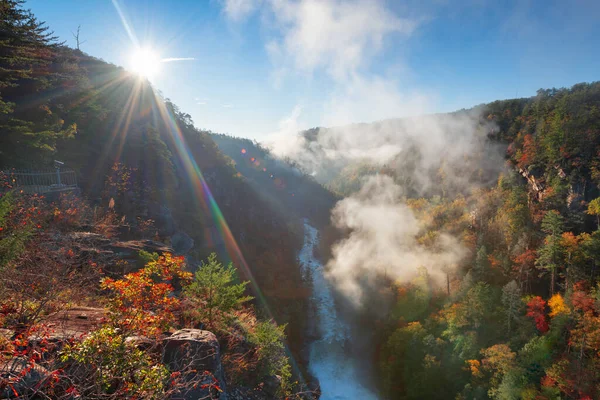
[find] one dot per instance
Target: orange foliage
(142, 301)
(528, 152)
(475, 368)
(494, 262)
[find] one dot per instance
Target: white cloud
(339, 38)
(238, 10)
(171, 59)
(366, 98)
(337, 35)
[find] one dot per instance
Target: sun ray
(119, 131)
(207, 202)
(125, 23)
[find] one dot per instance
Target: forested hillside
(287, 185)
(519, 317)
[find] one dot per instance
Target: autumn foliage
(536, 309)
(143, 301)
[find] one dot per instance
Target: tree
(511, 300)
(30, 129)
(482, 264)
(143, 302)
(536, 309)
(557, 305)
(574, 257)
(550, 254)
(524, 265)
(499, 360)
(76, 37)
(594, 209)
(269, 341)
(215, 293)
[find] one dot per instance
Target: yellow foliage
(557, 305)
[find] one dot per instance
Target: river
(328, 362)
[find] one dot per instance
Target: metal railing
(29, 181)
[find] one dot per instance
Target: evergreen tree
(511, 300)
(482, 264)
(550, 254)
(215, 292)
(28, 124)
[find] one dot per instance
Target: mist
(457, 141)
(443, 154)
(382, 241)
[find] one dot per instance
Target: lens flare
(145, 63)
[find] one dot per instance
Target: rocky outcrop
(107, 251)
(123, 249)
(195, 354)
(76, 321)
(533, 182)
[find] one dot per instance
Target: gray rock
(196, 355)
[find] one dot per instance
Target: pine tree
(482, 264)
(27, 50)
(550, 254)
(511, 300)
(215, 291)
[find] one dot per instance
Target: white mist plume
(382, 240)
(416, 147)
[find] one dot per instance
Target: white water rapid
(336, 372)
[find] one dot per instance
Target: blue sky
(266, 66)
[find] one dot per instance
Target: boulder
(196, 355)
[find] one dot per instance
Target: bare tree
(76, 36)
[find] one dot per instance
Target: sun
(145, 62)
